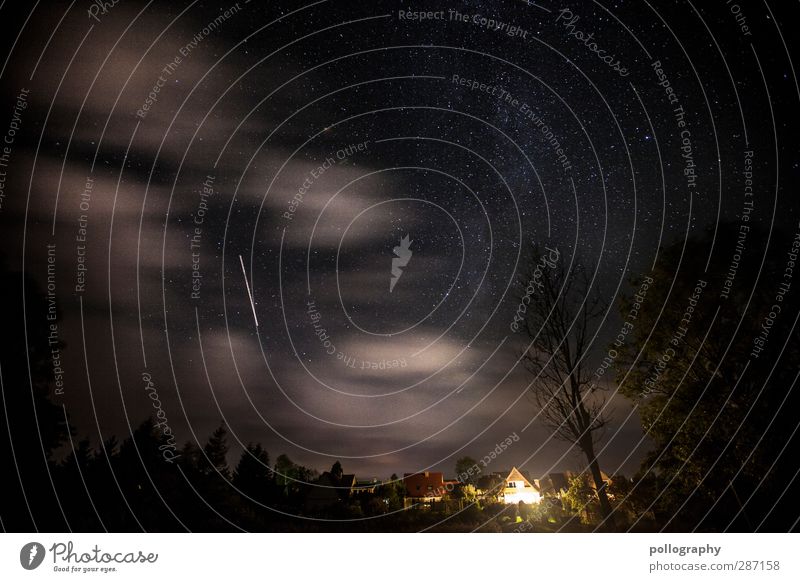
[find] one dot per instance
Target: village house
(518, 488)
(423, 488)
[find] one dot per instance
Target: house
(518, 488)
(423, 488)
(366, 486)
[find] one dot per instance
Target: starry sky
(253, 167)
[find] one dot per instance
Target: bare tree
(558, 313)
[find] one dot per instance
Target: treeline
(128, 486)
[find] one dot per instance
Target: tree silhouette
(468, 470)
(560, 313)
(216, 450)
(253, 475)
(32, 427)
(719, 417)
(292, 478)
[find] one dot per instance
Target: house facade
(518, 488)
(423, 488)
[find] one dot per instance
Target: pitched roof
(516, 475)
(345, 483)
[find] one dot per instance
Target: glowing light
(518, 488)
(528, 496)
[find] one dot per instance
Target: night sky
(160, 143)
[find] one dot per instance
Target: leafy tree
(74, 477)
(32, 426)
(146, 480)
(191, 459)
(285, 471)
(581, 499)
(253, 475)
(216, 450)
(398, 483)
(291, 477)
(714, 410)
(491, 486)
(466, 492)
(468, 470)
(391, 493)
(79, 458)
(631, 501)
